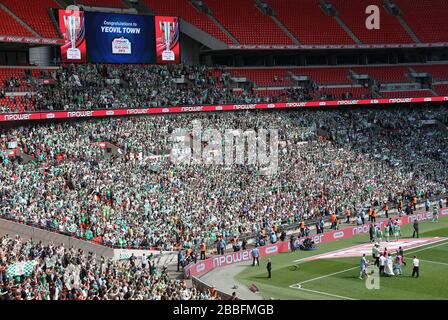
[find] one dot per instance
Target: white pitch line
(299, 287)
(410, 251)
(437, 245)
(430, 261)
(327, 275)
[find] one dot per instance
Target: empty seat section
(103, 3)
(441, 89)
(427, 18)
(184, 10)
(407, 94)
(439, 72)
(385, 74)
(35, 14)
(309, 23)
(11, 27)
(390, 30)
(247, 23)
(264, 77)
(326, 75)
(341, 93)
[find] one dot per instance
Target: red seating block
(186, 11)
(407, 94)
(390, 30)
(309, 23)
(427, 18)
(11, 27)
(103, 3)
(247, 23)
(385, 74)
(35, 14)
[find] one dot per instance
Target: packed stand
(54, 272)
(99, 86)
(328, 161)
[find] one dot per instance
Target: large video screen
(119, 38)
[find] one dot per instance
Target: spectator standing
(416, 267)
(269, 267)
(203, 249)
(415, 226)
(180, 260)
(144, 261)
(255, 256)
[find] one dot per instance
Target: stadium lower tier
(69, 176)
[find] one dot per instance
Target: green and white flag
(20, 268)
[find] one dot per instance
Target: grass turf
(338, 278)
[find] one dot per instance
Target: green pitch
(339, 278)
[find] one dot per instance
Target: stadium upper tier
(36, 14)
(186, 11)
(103, 3)
(427, 18)
(390, 29)
(272, 22)
(10, 26)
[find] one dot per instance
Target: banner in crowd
(204, 266)
(167, 40)
(26, 116)
(443, 212)
(20, 268)
(72, 26)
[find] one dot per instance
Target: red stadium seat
(264, 77)
(439, 72)
(309, 23)
(407, 94)
(427, 18)
(386, 74)
(35, 14)
(267, 77)
(103, 3)
(339, 93)
(11, 27)
(441, 89)
(390, 30)
(338, 75)
(186, 11)
(247, 23)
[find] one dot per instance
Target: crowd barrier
(205, 266)
(443, 212)
(50, 115)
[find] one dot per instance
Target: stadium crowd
(100, 86)
(53, 272)
(329, 162)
